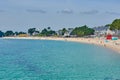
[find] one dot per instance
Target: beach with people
(111, 44)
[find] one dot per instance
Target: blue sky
(23, 14)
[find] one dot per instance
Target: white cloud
(90, 12)
(66, 11)
(113, 13)
(36, 11)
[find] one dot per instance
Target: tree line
(10, 33)
(78, 31)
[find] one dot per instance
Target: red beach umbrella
(109, 37)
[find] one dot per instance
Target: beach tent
(109, 37)
(114, 38)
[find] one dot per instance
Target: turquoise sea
(56, 60)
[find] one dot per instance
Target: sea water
(56, 60)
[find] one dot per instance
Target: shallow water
(56, 60)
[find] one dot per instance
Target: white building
(103, 30)
(68, 33)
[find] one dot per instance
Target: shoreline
(111, 44)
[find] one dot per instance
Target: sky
(19, 15)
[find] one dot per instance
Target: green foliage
(21, 33)
(78, 31)
(49, 28)
(108, 25)
(115, 25)
(31, 31)
(16, 33)
(1, 34)
(64, 30)
(9, 33)
(82, 31)
(44, 32)
(47, 32)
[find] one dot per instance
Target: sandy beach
(112, 44)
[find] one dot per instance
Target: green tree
(1, 34)
(31, 31)
(37, 31)
(49, 28)
(9, 33)
(115, 25)
(22, 33)
(82, 31)
(46, 32)
(16, 33)
(64, 30)
(52, 33)
(108, 25)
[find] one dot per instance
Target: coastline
(111, 44)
